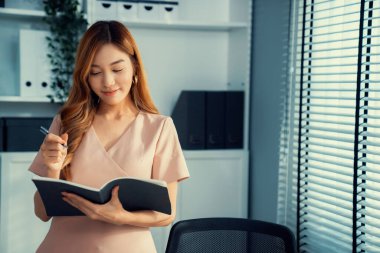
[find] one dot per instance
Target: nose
(108, 80)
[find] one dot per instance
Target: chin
(114, 100)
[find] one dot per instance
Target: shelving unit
(19, 13)
(19, 99)
(186, 25)
(11, 103)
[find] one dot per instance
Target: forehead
(108, 54)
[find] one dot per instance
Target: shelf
(19, 13)
(24, 99)
(186, 25)
(214, 153)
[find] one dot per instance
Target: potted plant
(66, 23)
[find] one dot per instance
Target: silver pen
(46, 132)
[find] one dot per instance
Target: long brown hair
(78, 112)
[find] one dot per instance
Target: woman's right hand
(54, 151)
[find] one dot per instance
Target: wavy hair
(78, 111)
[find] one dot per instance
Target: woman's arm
(113, 212)
(152, 218)
(39, 208)
(53, 154)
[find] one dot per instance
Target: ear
(135, 79)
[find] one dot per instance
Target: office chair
(229, 235)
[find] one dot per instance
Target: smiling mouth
(109, 93)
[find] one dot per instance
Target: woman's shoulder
(156, 120)
(154, 117)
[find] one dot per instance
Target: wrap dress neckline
(119, 139)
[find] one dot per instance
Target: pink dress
(148, 148)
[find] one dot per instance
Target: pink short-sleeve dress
(148, 148)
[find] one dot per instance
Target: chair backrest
(229, 235)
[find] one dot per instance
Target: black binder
(215, 120)
(23, 134)
(234, 119)
(189, 118)
(1, 135)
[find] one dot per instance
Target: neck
(124, 109)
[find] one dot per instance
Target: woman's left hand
(109, 212)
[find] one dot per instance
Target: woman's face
(111, 75)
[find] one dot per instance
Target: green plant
(66, 24)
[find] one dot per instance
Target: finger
(53, 153)
(115, 192)
(85, 206)
(115, 195)
(65, 138)
(79, 200)
(54, 149)
(52, 160)
(55, 139)
(83, 209)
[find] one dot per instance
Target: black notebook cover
(134, 194)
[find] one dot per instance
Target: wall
(269, 55)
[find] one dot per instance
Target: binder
(189, 119)
(215, 120)
(1, 135)
(22, 134)
(35, 67)
(210, 119)
(234, 119)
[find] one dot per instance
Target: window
(330, 145)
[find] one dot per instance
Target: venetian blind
(368, 158)
(334, 127)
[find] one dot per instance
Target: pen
(46, 132)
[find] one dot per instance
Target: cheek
(94, 84)
(126, 80)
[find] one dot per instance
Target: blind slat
(344, 231)
(346, 172)
(330, 130)
(329, 138)
(312, 173)
(332, 122)
(332, 16)
(328, 183)
(346, 196)
(337, 206)
(326, 145)
(322, 213)
(333, 8)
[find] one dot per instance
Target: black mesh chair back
(229, 235)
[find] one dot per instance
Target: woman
(112, 129)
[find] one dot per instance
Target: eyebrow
(112, 63)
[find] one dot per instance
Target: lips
(110, 93)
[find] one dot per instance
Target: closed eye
(94, 73)
(117, 70)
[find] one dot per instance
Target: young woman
(112, 129)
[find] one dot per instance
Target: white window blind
(368, 167)
(330, 143)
